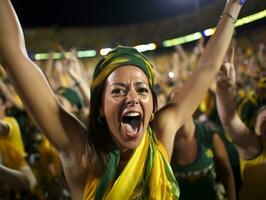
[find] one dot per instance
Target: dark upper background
(79, 22)
(78, 13)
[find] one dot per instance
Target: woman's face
(127, 106)
(260, 126)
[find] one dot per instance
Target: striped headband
(118, 57)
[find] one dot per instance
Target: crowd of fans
(39, 164)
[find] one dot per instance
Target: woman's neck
(125, 156)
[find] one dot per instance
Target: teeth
(132, 114)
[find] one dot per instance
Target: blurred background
(66, 38)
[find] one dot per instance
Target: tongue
(131, 128)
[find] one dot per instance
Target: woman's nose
(132, 98)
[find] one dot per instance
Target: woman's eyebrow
(119, 84)
(141, 83)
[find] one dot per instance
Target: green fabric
(111, 172)
(109, 175)
(116, 58)
(204, 137)
(148, 169)
(202, 166)
(72, 96)
(247, 108)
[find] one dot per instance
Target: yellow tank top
(14, 137)
(254, 177)
(10, 157)
(48, 154)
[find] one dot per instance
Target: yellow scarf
(160, 182)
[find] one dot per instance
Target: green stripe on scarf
(111, 172)
(109, 175)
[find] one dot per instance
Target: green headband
(118, 57)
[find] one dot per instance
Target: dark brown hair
(99, 139)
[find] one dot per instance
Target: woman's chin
(132, 141)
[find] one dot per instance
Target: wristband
(241, 2)
(229, 15)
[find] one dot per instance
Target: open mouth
(131, 122)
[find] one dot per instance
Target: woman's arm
(77, 74)
(10, 94)
(19, 180)
(48, 70)
(170, 119)
(197, 52)
(223, 167)
(246, 142)
(62, 129)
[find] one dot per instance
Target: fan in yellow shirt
(15, 173)
(249, 143)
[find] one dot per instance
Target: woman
(200, 161)
(117, 155)
(199, 156)
(16, 176)
(251, 145)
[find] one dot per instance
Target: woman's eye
(118, 91)
(143, 90)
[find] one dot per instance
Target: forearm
(208, 66)
(223, 168)
(183, 55)
(29, 81)
(226, 105)
(233, 125)
(11, 35)
(13, 179)
(217, 46)
(227, 179)
(13, 52)
(49, 66)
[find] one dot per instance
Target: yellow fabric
(18, 100)
(262, 83)
(254, 177)
(160, 188)
(14, 136)
(107, 71)
(10, 157)
(65, 80)
(207, 104)
(112, 66)
(126, 185)
(48, 156)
